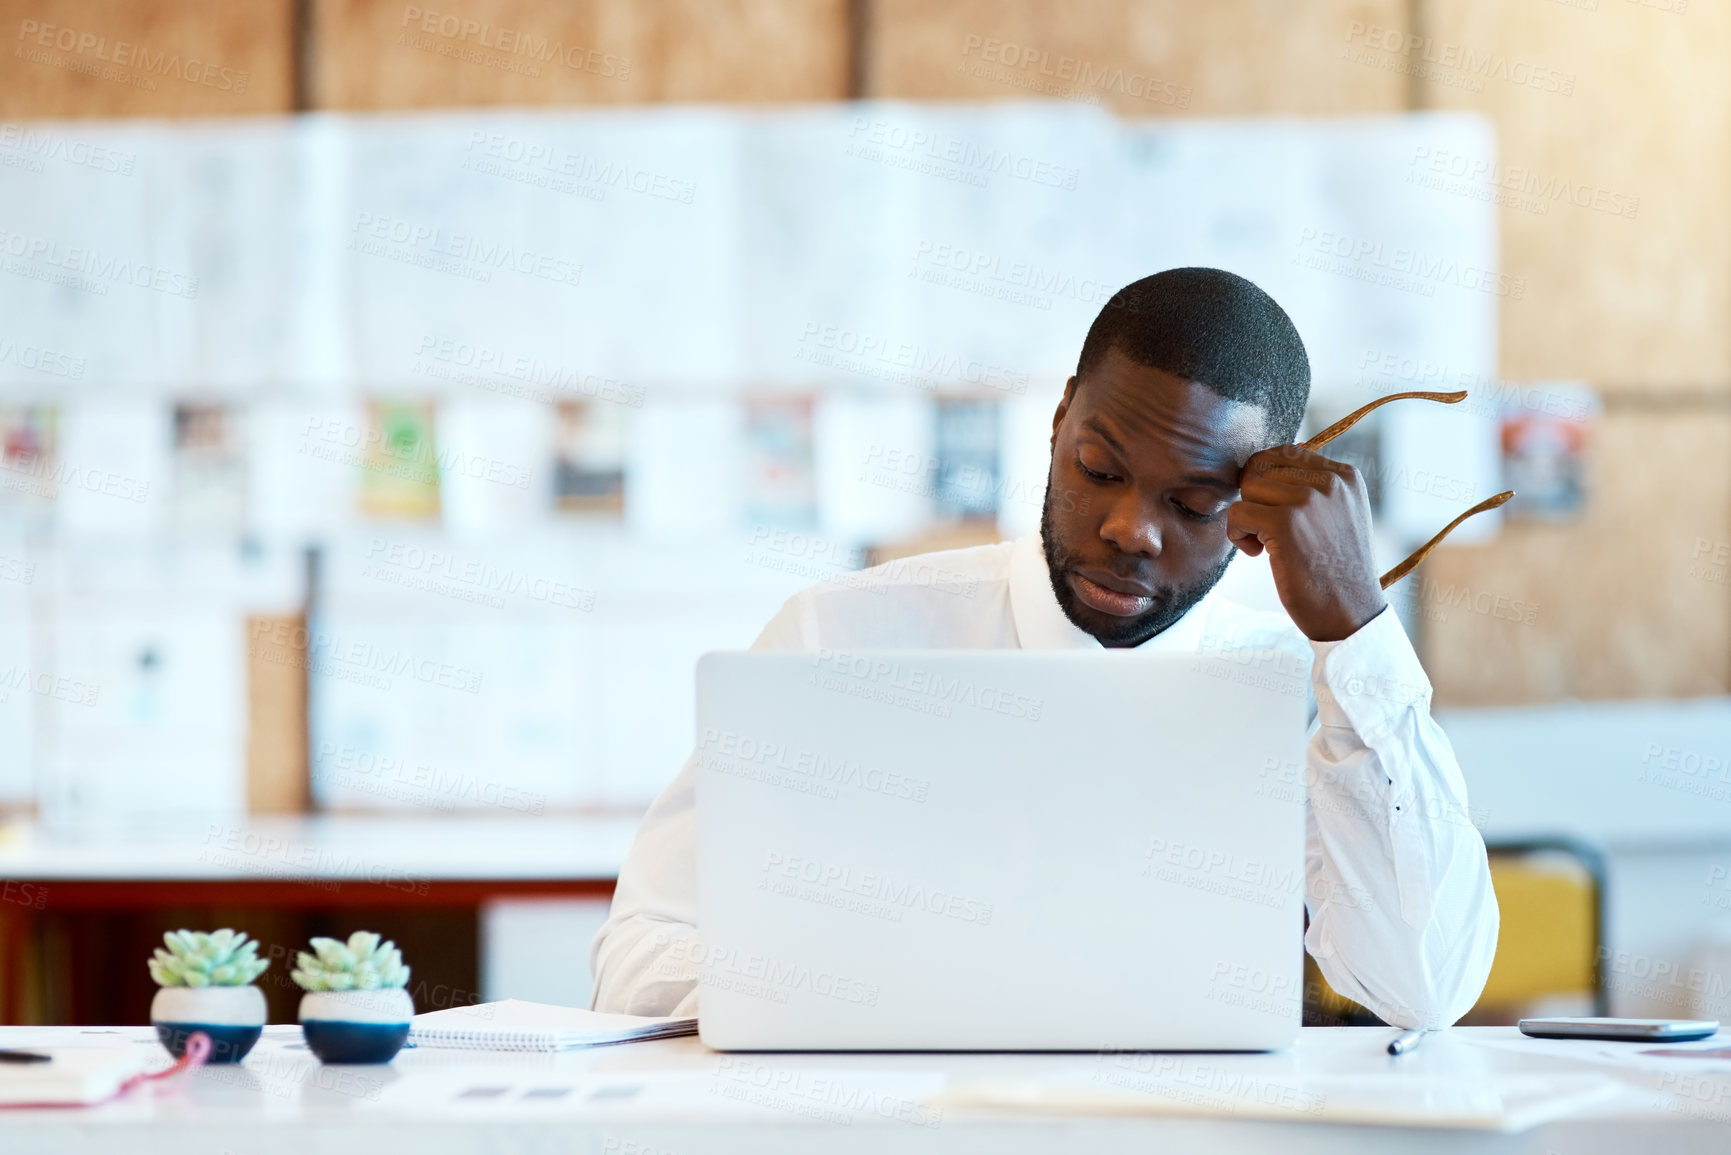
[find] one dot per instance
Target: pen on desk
(24, 1057)
(1406, 1041)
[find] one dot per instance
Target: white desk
(688, 1100)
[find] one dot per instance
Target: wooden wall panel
(1633, 288)
(384, 54)
(1630, 602)
(1153, 58)
(73, 58)
(1614, 128)
(278, 763)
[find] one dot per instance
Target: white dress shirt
(1402, 915)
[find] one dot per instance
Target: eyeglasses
(1353, 418)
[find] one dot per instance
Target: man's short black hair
(1214, 327)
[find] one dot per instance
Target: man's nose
(1131, 529)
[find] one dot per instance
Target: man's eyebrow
(1210, 481)
(1094, 426)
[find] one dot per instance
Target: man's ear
(1063, 408)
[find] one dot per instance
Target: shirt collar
(1041, 624)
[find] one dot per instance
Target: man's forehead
(1150, 411)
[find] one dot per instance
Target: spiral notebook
(515, 1025)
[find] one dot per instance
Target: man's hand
(1312, 515)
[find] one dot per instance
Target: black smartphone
(1621, 1030)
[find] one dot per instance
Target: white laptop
(1000, 850)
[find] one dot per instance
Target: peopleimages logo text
(1083, 74)
(94, 263)
(966, 155)
(877, 886)
(127, 55)
(825, 767)
(882, 672)
(442, 242)
(1412, 265)
(1015, 274)
(40, 144)
(534, 46)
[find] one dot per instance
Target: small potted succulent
(206, 982)
(355, 1009)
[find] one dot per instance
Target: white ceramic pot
(233, 1017)
(356, 1026)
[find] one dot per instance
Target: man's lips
(1111, 595)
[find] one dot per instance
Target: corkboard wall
(1630, 291)
(276, 685)
(1630, 295)
(1626, 601)
(1147, 58)
(379, 54)
(67, 58)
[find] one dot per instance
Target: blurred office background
(395, 399)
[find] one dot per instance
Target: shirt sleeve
(1402, 915)
(645, 956)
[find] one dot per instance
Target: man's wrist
(1345, 620)
(1370, 679)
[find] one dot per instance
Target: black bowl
(334, 1041)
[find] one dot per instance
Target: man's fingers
(1310, 476)
(1274, 490)
(1295, 465)
(1251, 526)
(1292, 455)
